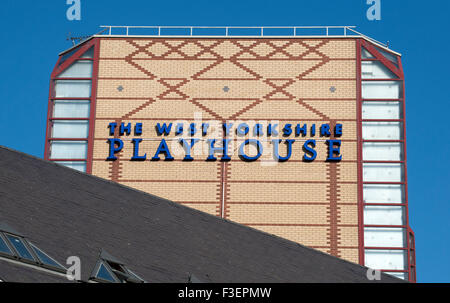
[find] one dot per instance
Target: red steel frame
(59, 68)
(359, 157)
(398, 71)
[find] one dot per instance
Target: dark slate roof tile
(68, 213)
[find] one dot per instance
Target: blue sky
(34, 32)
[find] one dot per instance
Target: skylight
(193, 279)
(15, 246)
(103, 273)
(45, 259)
(108, 269)
(4, 247)
(20, 248)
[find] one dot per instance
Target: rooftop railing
(234, 31)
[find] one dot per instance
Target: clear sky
(33, 32)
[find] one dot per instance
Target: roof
(68, 213)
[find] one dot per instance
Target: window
(374, 193)
(45, 259)
(384, 215)
(109, 270)
(384, 237)
(381, 89)
(4, 247)
(88, 54)
(71, 108)
(375, 70)
(193, 279)
(103, 273)
(20, 247)
(385, 151)
(385, 259)
(400, 275)
(382, 110)
(391, 57)
(382, 130)
(68, 150)
(77, 165)
(383, 172)
(72, 88)
(79, 69)
(70, 129)
(16, 247)
(365, 54)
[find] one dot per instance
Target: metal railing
(234, 31)
(227, 30)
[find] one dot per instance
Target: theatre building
(298, 134)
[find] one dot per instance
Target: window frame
(50, 158)
(25, 244)
(61, 269)
(367, 51)
(115, 273)
(5, 233)
(79, 53)
(94, 274)
(8, 245)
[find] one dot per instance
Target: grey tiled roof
(68, 213)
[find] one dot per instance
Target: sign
(262, 136)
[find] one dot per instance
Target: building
(50, 213)
(313, 125)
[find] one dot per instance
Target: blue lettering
(223, 149)
(287, 130)
(138, 129)
(113, 149)
(179, 129)
(164, 129)
(205, 127)
(163, 149)
(192, 129)
(125, 129)
(334, 150)
(248, 158)
(301, 130)
(227, 127)
(258, 130)
(136, 156)
(272, 130)
(313, 130)
(112, 128)
(188, 148)
(310, 153)
(242, 129)
(276, 153)
(325, 130)
(338, 130)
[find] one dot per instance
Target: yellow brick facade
(282, 81)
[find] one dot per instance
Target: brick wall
(310, 81)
